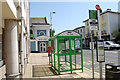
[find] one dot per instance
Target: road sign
(93, 24)
(94, 27)
(100, 51)
(97, 7)
(92, 14)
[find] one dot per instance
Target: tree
(116, 34)
(53, 31)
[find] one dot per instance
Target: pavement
(42, 59)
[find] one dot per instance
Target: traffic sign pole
(99, 24)
(92, 54)
(100, 63)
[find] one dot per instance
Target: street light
(51, 20)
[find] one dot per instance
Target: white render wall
(11, 46)
(35, 28)
(112, 23)
(10, 10)
(12, 7)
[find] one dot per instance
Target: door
(42, 47)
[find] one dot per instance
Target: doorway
(42, 47)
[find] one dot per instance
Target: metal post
(70, 54)
(65, 52)
(51, 23)
(99, 24)
(75, 52)
(100, 63)
(92, 54)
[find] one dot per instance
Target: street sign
(93, 27)
(93, 24)
(97, 7)
(92, 14)
(100, 51)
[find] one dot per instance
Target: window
(103, 18)
(31, 32)
(88, 32)
(107, 43)
(87, 24)
(96, 33)
(81, 30)
(104, 30)
(78, 31)
(41, 33)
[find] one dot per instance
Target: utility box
(112, 71)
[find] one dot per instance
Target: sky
(69, 15)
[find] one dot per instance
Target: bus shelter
(65, 51)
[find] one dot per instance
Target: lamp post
(51, 20)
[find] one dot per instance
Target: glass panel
(61, 46)
(44, 49)
(41, 48)
(44, 44)
(77, 45)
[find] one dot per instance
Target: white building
(39, 34)
(81, 30)
(109, 22)
(14, 37)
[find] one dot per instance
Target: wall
(113, 22)
(35, 28)
(104, 23)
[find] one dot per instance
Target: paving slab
(43, 59)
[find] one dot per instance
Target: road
(111, 56)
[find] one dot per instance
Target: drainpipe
(21, 48)
(21, 44)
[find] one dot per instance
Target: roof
(66, 33)
(107, 11)
(79, 27)
(86, 20)
(39, 21)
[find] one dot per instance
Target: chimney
(108, 9)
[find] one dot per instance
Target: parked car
(111, 45)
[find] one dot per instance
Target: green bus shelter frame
(70, 52)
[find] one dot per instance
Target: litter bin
(112, 71)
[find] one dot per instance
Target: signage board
(93, 24)
(93, 27)
(93, 14)
(69, 33)
(100, 51)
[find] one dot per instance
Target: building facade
(88, 33)
(39, 34)
(81, 30)
(108, 24)
(14, 37)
